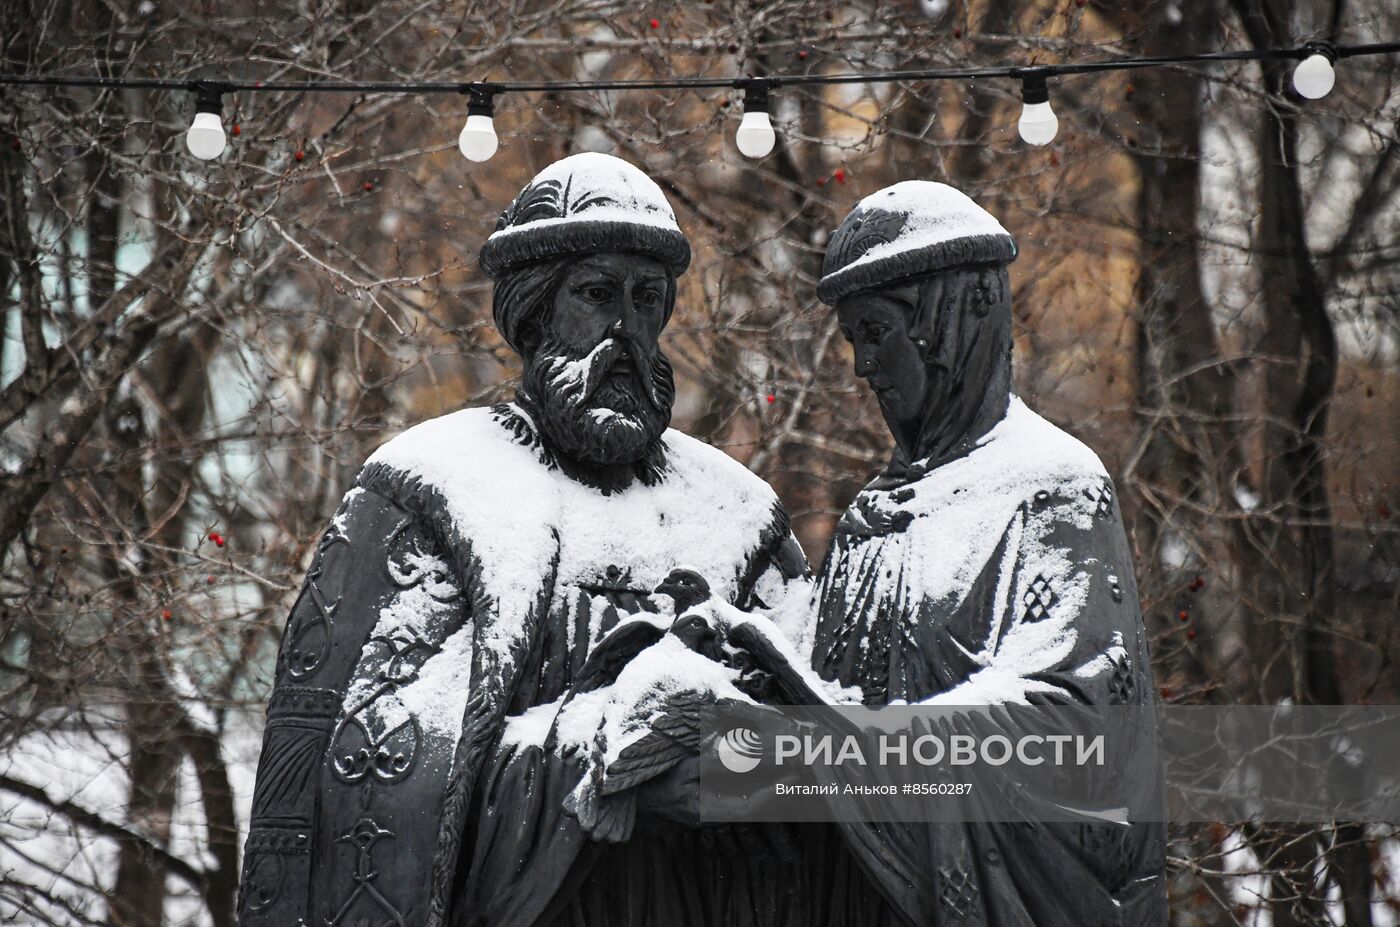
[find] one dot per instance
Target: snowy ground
(87, 767)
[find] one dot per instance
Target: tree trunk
(1184, 392)
(138, 897)
(1296, 539)
(971, 161)
(1183, 389)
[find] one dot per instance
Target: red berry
(1166, 692)
(840, 175)
(166, 615)
(1183, 615)
(367, 186)
(802, 55)
(821, 181)
(299, 155)
(656, 24)
(957, 32)
(209, 578)
(771, 398)
(217, 538)
(237, 129)
(1191, 634)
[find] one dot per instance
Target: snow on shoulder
(958, 512)
(1032, 451)
(1022, 455)
(709, 462)
(486, 482)
(521, 516)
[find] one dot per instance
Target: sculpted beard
(600, 408)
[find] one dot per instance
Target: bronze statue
(455, 599)
(986, 565)
(483, 703)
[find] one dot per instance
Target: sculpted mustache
(579, 379)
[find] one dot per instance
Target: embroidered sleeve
(378, 604)
(1064, 621)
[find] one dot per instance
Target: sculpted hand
(665, 765)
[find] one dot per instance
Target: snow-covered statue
(987, 564)
(413, 772)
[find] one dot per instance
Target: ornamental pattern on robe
(462, 580)
(1001, 577)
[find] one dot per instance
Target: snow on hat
(586, 203)
(912, 228)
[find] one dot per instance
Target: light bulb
(206, 139)
(755, 136)
(478, 140)
(1314, 76)
(1038, 123)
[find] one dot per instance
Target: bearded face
(597, 379)
(601, 408)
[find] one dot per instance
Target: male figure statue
(986, 565)
(464, 581)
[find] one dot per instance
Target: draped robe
(1001, 576)
(462, 583)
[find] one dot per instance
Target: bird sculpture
(683, 725)
(765, 674)
(688, 590)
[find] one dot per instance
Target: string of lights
(1313, 78)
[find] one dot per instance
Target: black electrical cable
(695, 83)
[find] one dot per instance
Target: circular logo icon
(740, 750)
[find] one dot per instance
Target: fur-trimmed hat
(586, 203)
(912, 228)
